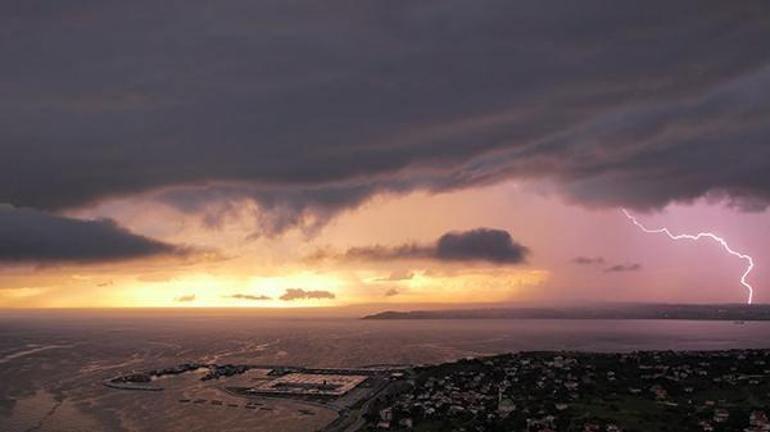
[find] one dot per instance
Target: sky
(303, 154)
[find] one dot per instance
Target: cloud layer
(309, 110)
(480, 245)
(28, 235)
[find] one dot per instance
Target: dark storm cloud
(28, 235)
(309, 109)
(581, 260)
(481, 244)
(279, 207)
(248, 297)
(618, 268)
(300, 294)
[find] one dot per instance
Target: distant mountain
(728, 312)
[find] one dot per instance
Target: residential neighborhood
(541, 392)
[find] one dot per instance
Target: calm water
(51, 365)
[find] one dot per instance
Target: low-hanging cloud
(240, 296)
(481, 244)
(185, 298)
(392, 292)
(619, 268)
(396, 276)
(478, 245)
(582, 260)
(300, 294)
(28, 235)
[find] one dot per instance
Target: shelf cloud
(326, 107)
(532, 85)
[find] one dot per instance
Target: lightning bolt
(702, 235)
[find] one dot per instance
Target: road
(352, 421)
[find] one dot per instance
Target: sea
(53, 363)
